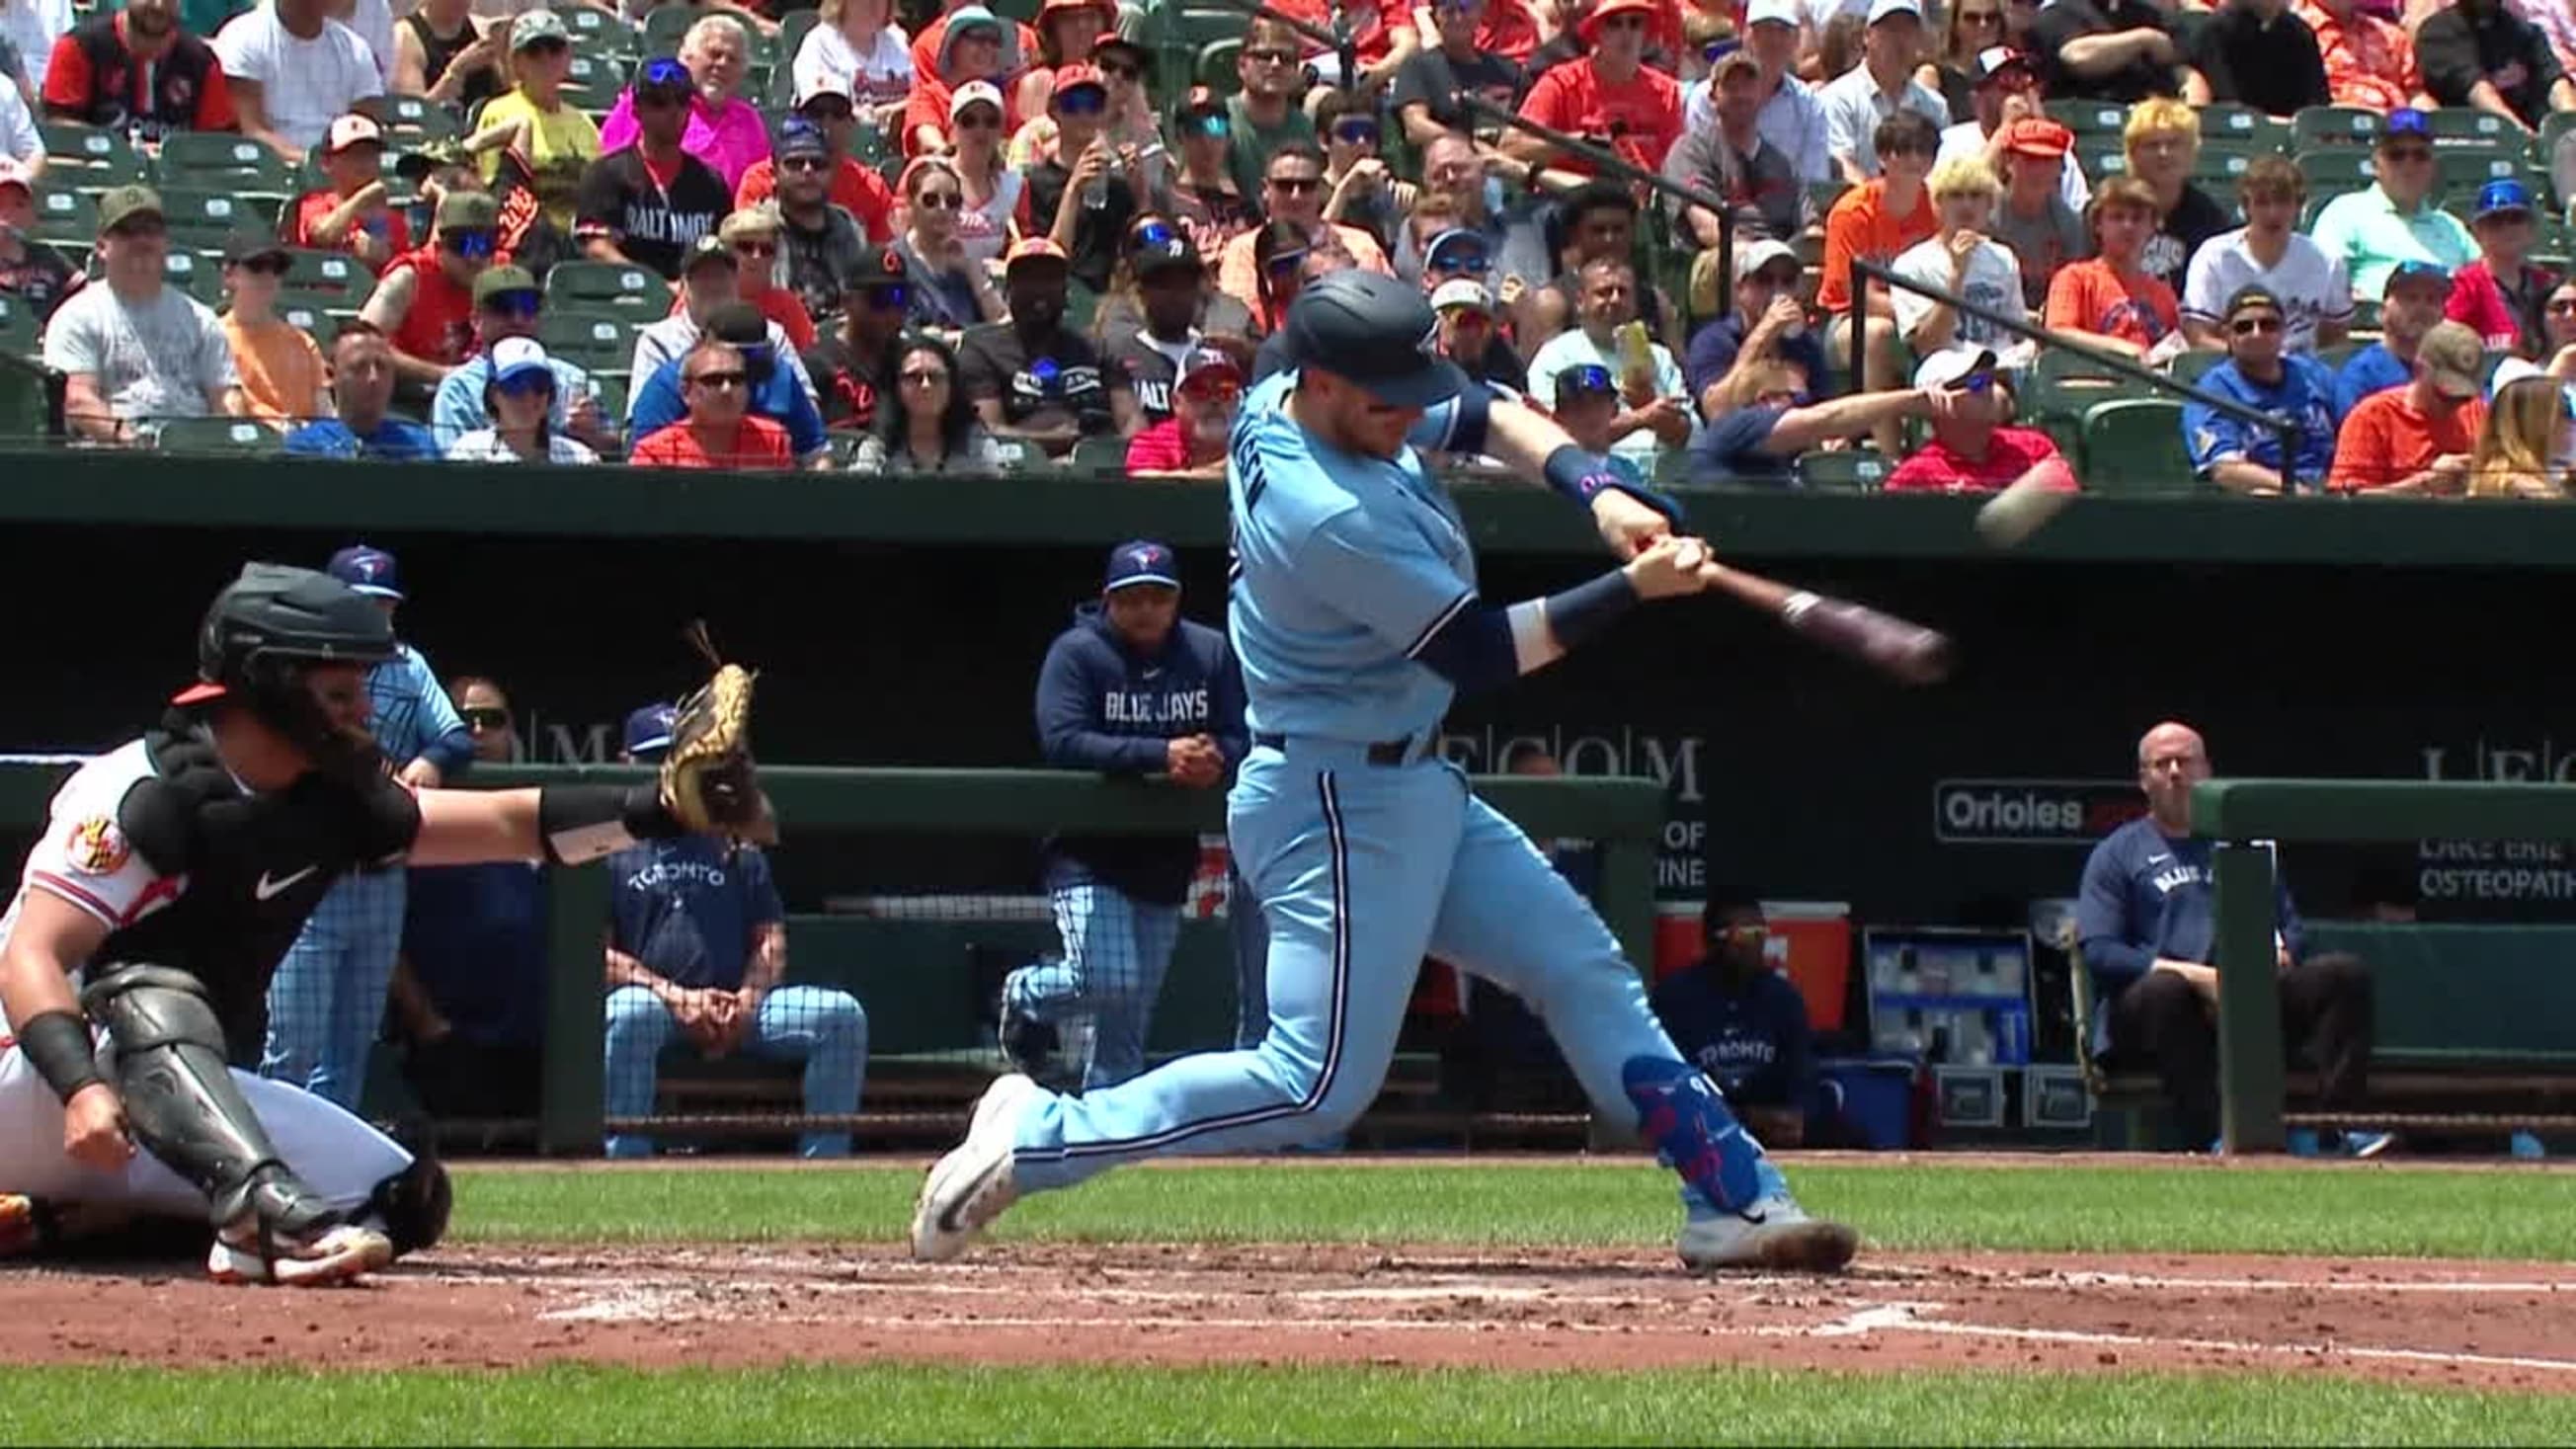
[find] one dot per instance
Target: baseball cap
(1954, 365)
(125, 203)
(535, 27)
(1080, 73)
(1585, 377)
(1996, 59)
(800, 137)
(368, 571)
(1753, 256)
(2038, 136)
(739, 323)
(354, 130)
(705, 250)
(1375, 332)
(2407, 121)
(516, 357)
(1207, 363)
(1171, 253)
(2251, 296)
(974, 93)
(468, 211)
(973, 17)
(1886, 9)
(1127, 50)
(248, 244)
(1457, 250)
(876, 267)
(1774, 12)
(747, 221)
(2416, 271)
(502, 281)
(2453, 356)
(1141, 561)
(649, 729)
(1033, 249)
(1590, 26)
(1732, 61)
(1462, 292)
(2503, 195)
(826, 86)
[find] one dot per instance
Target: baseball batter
(1356, 618)
(173, 874)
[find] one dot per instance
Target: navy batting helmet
(1376, 332)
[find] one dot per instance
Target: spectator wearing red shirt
(1610, 97)
(2499, 295)
(1191, 443)
(350, 214)
(2418, 438)
(424, 302)
(859, 190)
(720, 431)
(137, 70)
(1971, 451)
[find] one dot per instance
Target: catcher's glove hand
(708, 783)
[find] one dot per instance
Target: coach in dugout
(2148, 935)
(1131, 689)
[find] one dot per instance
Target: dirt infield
(2487, 1324)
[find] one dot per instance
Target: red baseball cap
(1591, 26)
(1079, 73)
(2038, 136)
(1036, 248)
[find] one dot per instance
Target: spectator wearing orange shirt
(1610, 97)
(2417, 438)
(1876, 221)
(2370, 59)
(720, 431)
(2111, 296)
(1971, 451)
(282, 377)
(350, 214)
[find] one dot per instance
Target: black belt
(1384, 752)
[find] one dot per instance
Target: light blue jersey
(1345, 566)
(410, 714)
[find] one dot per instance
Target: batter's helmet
(1376, 332)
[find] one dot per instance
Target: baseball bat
(1900, 648)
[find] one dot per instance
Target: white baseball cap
(1881, 9)
(975, 93)
(1783, 11)
(1755, 255)
(1953, 364)
(516, 357)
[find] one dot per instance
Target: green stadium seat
(87, 158)
(597, 78)
(316, 321)
(2464, 171)
(595, 32)
(2134, 446)
(335, 273)
(1217, 68)
(66, 216)
(410, 118)
(2458, 123)
(217, 435)
(1823, 194)
(593, 285)
(18, 328)
(217, 161)
(2335, 170)
(2216, 168)
(201, 220)
(2189, 366)
(2334, 126)
(2102, 157)
(1099, 457)
(1844, 469)
(664, 27)
(2226, 123)
(2089, 118)
(791, 31)
(2065, 383)
(595, 341)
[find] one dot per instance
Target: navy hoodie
(1102, 706)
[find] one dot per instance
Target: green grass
(909, 1404)
(2042, 1207)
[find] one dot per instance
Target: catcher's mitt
(708, 783)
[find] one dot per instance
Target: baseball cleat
(341, 1254)
(1774, 1233)
(970, 1186)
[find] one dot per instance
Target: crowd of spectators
(968, 242)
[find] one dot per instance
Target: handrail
(1862, 270)
(1345, 45)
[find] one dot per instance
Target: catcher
(173, 874)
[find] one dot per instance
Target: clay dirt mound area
(2487, 1324)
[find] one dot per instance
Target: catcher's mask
(264, 630)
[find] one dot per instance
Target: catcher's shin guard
(165, 1053)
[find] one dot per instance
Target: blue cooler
(1877, 1094)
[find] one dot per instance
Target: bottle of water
(1095, 197)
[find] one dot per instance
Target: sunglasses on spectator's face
(1295, 185)
(721, 378)
(1271, 55)
(1117, 71)
(1356, 132)
(828, 113)
(924, 376)
(513, 304)
(2408, 154)
(480, 718)
(473, 246)
(1151, 234)
(2250, 326)
(527, 384)
(263, 266)
(1586, 377)
(756, 249)
(141, 229)
(1214, 126)
(803, 163)
(668, 74)
(980, 118)
(940, 200)
(1082, 101)
(546, 48)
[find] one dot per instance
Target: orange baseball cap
(2038, 136)
(1591, 26)
(1036, 248)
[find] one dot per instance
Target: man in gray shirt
(1729, 156)
(135, 349)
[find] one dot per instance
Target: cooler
(1811, 943)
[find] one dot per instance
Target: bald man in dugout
(2145, 920)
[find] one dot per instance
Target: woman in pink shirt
(725, 131)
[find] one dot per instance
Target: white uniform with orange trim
(84, 858)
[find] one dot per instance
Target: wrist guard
(58, 1043)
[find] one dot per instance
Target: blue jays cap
(2407, 121)
(648, 730)
(2417, 271)
(2502, 196)
(1375, 332)
(1142, 561)
(368, 571)
(1456, 250)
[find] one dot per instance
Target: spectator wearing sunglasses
(2397, 219)
(717, 125)
(1084, 205)
(646, 203)
(1972, 448)
(927, 424)
(1760, 442)
(853, 367)
(776, 385)
(1264, 115)
(1609, 97)
(1365, 194)
(2501, 295)
(930, 42)
(362, 394)
(949, 289)
(752, 236)
(507, 304)
(2241, 457)
(520, 400)
(857, 189)
(1292, 192)
(349, 213)
(989, 213)
(1171, 294)
(1585, 402)
(1427, 87)
(818, 242)
(279, 367)
(719, 430)
(424, 302)
(1069, 31)
(1189, 441)
(1205, 199)
(1471, 334)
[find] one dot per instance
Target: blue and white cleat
(971, 1186)
(1774, 1233)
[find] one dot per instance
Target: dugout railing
(1623, 817)
(2246, 819)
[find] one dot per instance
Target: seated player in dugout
(172, 875)
(2144, 919)
(1745, 1024)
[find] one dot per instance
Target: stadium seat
(2334, 126)
(316, 321)
(2216, 168)
(791, 31)
(664, 27)
(87, 158)
(217, 161)
(2335, 170)
(595, 32)
(595, 341)
(2456, 123)
(410, 118)
(1823, 194)
(1104, 457)
(200, 219)
(593, 285)
(593, 82)
(2225, 122)
(2134, 446)
(2464, 171)
(18, 329)
(2189, 366)
(1217, 68)
(217, 435)
(66, 216)
(1845, 469)
(2089, 118)
(2065, 382)
(336, 273)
